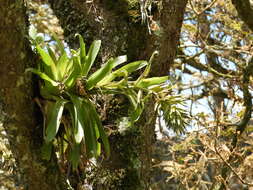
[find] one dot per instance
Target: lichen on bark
(17, 105)
(109, 21)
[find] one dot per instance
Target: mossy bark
(118, 25)
(171, 20)
(17, 108)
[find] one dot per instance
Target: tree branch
(245, 12)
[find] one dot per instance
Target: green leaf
(45, 56)
(97, 135)
(75, 115)
(147, 69)
(99, 74)
(42, 76)
(129, 68)
(146, 83)
(104, 71)
(93, 133)
(84, 117)
(174, 116)
(39, 39)
(119, 60)
(62, 65)
(54, 120)
(90, 58)
(82, 49)
(137, 105)
(52, 54)
(59, 44)
(132, 67)
(136, 113)
(75, 155)
(50, 67)
(102, 134)
(132, 96)
(75, 72)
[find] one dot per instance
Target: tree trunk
(118, 25)
(18, 112)
(171, 19)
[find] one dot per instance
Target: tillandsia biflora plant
(69, 90)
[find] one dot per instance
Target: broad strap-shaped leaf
(104, 71)
(52, 54)
(91, 56)
(74, 72)
(119, 60)
(54, 119)
(82, 49)
(59, 44)
(49, 65)
(74, 156)
(132, 67)
(148, 82)
(100, 128)
(96, 133)
(62, 65)
(83, 116)
(42, 76)
(99, 74)
(91, 132)
(129, 68)
(76, 119)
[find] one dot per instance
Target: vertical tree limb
(172, 15)
(16, 105)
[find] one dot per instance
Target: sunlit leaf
(91, 56)
(82, 49)
(104, 71)
(146, 83)
(175, 117)
(62, 65)
(129, 68)
(59, 44)
(50, 67)
(54, 120)
(52, 54)
(78, 128)
(74, 74)
(43, 76)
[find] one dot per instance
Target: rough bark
(245, 11)
(171, 20)
(118, 25)
(17, 108)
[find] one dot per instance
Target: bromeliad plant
(68, 89)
